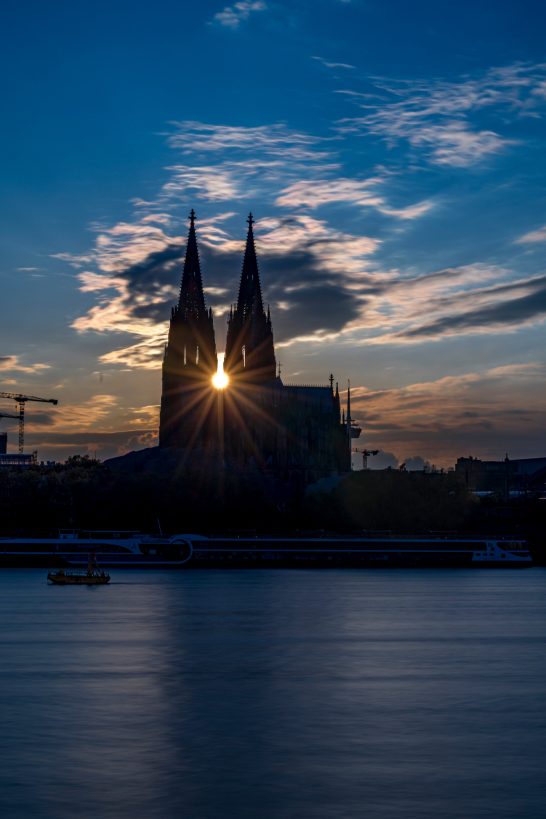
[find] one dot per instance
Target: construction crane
(21, 401)
(366, 453)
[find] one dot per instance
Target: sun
(220, 379)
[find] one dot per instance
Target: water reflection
(274, 694)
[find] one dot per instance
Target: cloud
(133, 270)
(533, 236)
(100, 426)
(315, 193)
(282, 159)
(322, 285)
(99, 411)
(232, 16)
(74, 259)
(139, 266)
(274, 140)
(439, 117)
(501, 308)
(328, 64)
(144, 293)
(466, 300)
(482, 412)
(209, 182)
(137, 300)
(97, 444)
(12, 363)
(456, 145)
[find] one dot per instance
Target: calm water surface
(286, 694)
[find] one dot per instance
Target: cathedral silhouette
(257, 422)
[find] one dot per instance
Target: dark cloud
(43, 419)
(512, 312)
(325, 307)
(156, 270)
(322, 303)
(148, 278)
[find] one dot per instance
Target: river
(274, 694)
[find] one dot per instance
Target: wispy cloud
(274, 140)
(394, 308)
(12, 363)
(328, 64)
(208, 182)
(533, 236)
(233, 16)
(439, 117)
(75, 260)
(315, 193)
(509, 308)
(469, 300)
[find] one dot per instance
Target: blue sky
(392, 154)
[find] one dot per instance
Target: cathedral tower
(250, 356)
(190, 360)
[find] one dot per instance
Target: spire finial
(331, 379)
(191, 217)
(250, 220)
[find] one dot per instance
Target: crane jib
(21, 400)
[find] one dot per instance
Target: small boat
(92, 577)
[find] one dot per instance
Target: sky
(392, 153)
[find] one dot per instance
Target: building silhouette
(258, 422)
(189, 362)
(507, 477)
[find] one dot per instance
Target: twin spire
(250, 354)
(191, 301)
(249, 343)
(250, 290)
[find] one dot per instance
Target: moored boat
(114, 550)
(128, 550)
(324, 550)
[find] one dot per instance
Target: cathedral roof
(317, 395)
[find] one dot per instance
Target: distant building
(519, 476)
(17, 459)
(287, 430)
